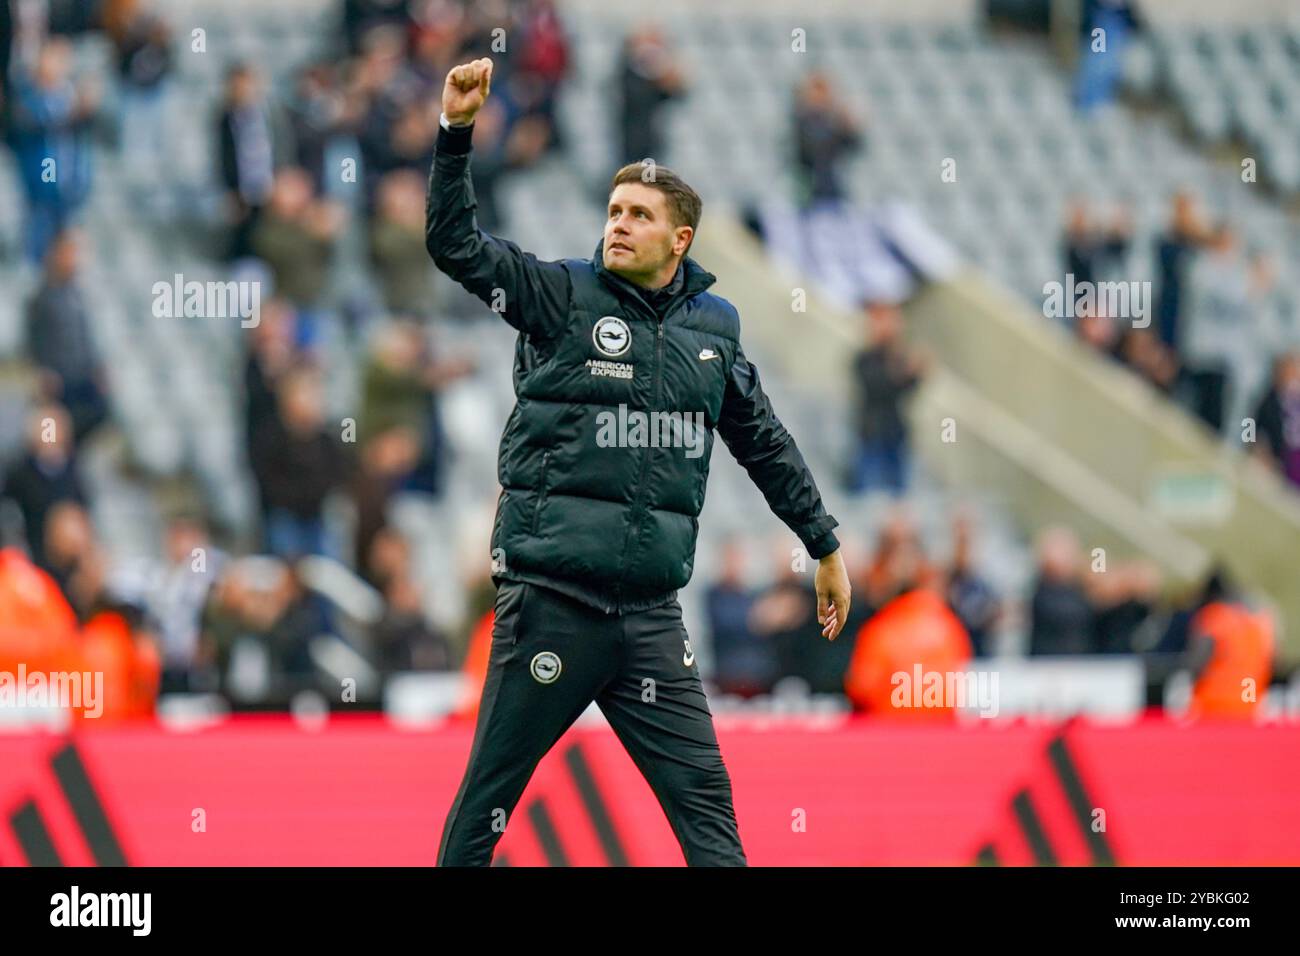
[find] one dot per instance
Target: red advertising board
(264, 791)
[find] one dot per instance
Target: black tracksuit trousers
(551, 657)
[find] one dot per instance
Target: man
(744, 662)
(51, 116)
(1094, 250)
(915, 629)
(593, 538)
(245, 132)
(1061, 616)
(649, 78)
(1230, 650)
(1226, 289)
(884, 373)
(1175, 250)
(298, 462)
(1277, 418)
(59, 340)
(45, 476)
(824, 135)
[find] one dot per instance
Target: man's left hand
(832, 594)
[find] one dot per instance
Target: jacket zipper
(645, 454)
(541, 494)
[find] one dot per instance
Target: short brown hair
(683, 202)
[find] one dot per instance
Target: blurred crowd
(914, 606)
(243, 619)
(258, 621)
(1198, 337)
(1203, 330)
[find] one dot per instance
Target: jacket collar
(694, 277)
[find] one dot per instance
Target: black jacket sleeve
(763, 447)
(533, 296)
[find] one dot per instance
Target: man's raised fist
(466, 90)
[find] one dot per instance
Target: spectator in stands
(914, 629)
(245, 132)
(744, 662)
(898, 560)
(1093, 251)
(295, 236)
(907, 567)
(971, 597)
(1093, 254)
(361, 16)
(824, 134)
(271, 353)
(144, 63)
(400, 386)
(50, 120)
(45, 476)
(784, 617)
(387, 90)
(1277, 418)
(445, 34)
(1220, 323)
(1230, 654)
(1175, 249)
(1123, 600)
(404, 640)
(1104, 26)
(75, 559)
(397, 250)
(59, 340)
(387, 458)
(234, 612)
(542, 62)
(649, 78)
(318, 113)
(258, 628)
(298, 462)
(176, 596)
(303, 617)
(409, 144)
(1061, 616)
(883, 374)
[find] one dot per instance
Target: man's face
(52, 63)
(64, 256)
(1289, 374)
(640, 238)
(182, 538)
(886, 324)
(243, 88)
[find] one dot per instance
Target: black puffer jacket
(591, 504)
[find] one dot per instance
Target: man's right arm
(533, 296)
